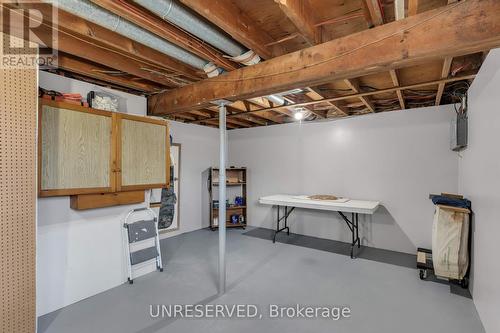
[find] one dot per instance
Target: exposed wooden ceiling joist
(413, 7)
(444, 74)
(96, 71)
(246, 117)
(227, 16)
(419, 6)
(464, 27)
(97, 52)
(156, 25)
(395, 81)
(317, 96)
(376, 14)
(266, 115)
(264, 103)
(79, 28)
(302, 16)
(354, 86)
(371, 93)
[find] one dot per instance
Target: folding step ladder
(140, 232)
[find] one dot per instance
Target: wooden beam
(371, 93)
(246, 117)
(268, 116)
(215, 123)
(95, 71)
(105, 56)
(69, 43)
(163, 29)
(343, 18)
(227, 16)
(413, 7)
(376, 14)
(239, 122)
(302, 16)
(315, 95)
(395, 81)
(463, 28)
(93, 33)
(444, 74)
(354, 86)
(262, 102)
(419, 6)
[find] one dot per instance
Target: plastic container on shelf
(103, 100)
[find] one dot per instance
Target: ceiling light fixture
(300, 113)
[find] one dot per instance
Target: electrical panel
(459, 132)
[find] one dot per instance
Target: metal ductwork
(173, 12)
(101, 16)
(276, 99)
(279, 100)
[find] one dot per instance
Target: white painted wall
(199, 151)
(479, 171)
(397, 158)
(80, 253)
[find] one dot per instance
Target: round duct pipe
(102, 17)
(173, 12)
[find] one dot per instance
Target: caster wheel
(161, 269)
(464, 283)
(130, 281)
(423, 274)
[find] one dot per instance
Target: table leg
(354, 227)
(279, 219)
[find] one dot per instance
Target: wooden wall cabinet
(83, 151)
(143, 160)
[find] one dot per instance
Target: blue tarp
(447, 201)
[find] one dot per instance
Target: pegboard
(18, 123)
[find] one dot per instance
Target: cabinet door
(75, 149)
(143, 153)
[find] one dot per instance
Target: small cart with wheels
(424, 262)
(142, 241)
(426, 268)
(449, 258)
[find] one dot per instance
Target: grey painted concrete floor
(382, 297)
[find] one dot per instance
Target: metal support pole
(222, 198)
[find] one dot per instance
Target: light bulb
(299, 115)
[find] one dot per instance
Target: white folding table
(290, 202)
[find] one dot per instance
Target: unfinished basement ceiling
(274, 28)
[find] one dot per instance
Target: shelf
(231, 225)
(232, 208)
(236, 169)
(236, 179)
